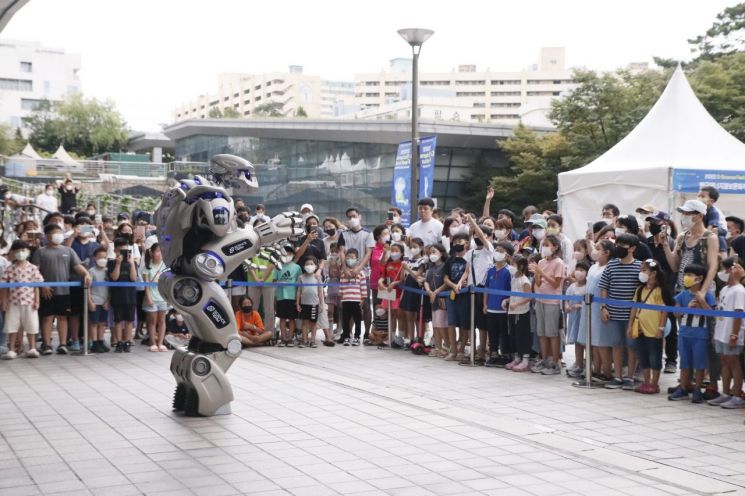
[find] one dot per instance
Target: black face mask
(247, 309)
(620, 252)
(330, 232)
(455, 249)
(655, 229)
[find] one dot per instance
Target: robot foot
(179, 398)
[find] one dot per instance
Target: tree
(269, 109)
(215, 113)
(9, 144)
(83, 126)
(725, 36)
(231, 113)
(300, 112)
(720, 85)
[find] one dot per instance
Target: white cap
(693, 206)
(306, 205)
(150, 241)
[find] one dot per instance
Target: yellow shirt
(649, 320)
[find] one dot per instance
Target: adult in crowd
(68, 191)
(428, 229)
(363, 242)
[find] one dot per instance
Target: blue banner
(401, 188)
(691, 181)
(427, 166)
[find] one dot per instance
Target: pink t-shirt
(375, 256)
(555, 269)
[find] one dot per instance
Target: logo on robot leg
(216, 314)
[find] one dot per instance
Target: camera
(390, 215)
(665, 229)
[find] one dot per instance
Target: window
(479, 105)
(392, 94)
(16, 84)
(504, 116)
(475, 82)
(543, 93)
(396, 83)
(435, 83)
(26, 66)
(372, 95)
(504, 105)
(505, 93)
(247, 112)
(236, 95)
(505, 81)
(247, 91)
(478, 117)
(257, 87)
(226, 99)
(246, 102)
(372, 83)
(470, 93)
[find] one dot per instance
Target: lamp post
(416, 38)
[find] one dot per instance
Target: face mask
(478, 242)
(686, 221)
(396, 219)
(351, 262)
(416, 251)
(68, 187)
(21, 255)
(396, 236)
(643, 277)
(458, 248)
(91, 213)
(101, 262)
(547, 251)
(499, 256)
(580, 275)
(619, 231)
(434, 257)
(57, 238)
(621, 252)
(454, 230)
(385, 239)
(395, 255)
(287, 259)
(247, 309)
(380, 312)
(578, 255)
(330, 232)
(689, 281)
(354, 222)
(723, 276)
(553, 231)
(309, 269)
(655, 229)
(50, 192)
(539, 234)
(500, 234)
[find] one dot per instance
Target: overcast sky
(147, 56)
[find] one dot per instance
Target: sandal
(162, 348)
(154, 348)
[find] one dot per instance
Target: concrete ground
(352, 421)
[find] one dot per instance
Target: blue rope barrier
(663, 308)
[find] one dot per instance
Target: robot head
(230, 171)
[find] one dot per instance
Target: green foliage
(215, 113)
(300, 112)
(231, 113)
(9, 143)
(84, 127)
(725, 36)
(269, 109)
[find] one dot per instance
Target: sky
(148, 56)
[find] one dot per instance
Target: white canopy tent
(64, 157)
(674, 150)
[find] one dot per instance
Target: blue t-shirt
(497, 279)
(693, 326)
(288, 273)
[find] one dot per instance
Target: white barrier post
(587, 382)
(472, 331)
(86, 293)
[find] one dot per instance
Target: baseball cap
(150, 241)
(508, 212)
(535, 218)
(659, 216)
(306, 205)
(539, 223)
(691, 206)
(646, 209)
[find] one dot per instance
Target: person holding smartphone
(123, 299)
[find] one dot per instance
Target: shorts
(649, 352)
(76, 301)
(124, 313)
(309, 312)
(98, 315)
(286, 309)
(323, 320)
(238, 291)
(21, 318)
(547, 320)
(617, 331)
(459, 311)
(693, 352)
(56, 305)
(157, 306)
(723, 349)
(440, 318)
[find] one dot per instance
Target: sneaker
(697, 396)
(575, 373)
(346, 342)
(300, 344)
(32, 353)
(356, 342)
(126, 347)
(313, 344)
(491, 362)
(551, 369)
(670, 368)
(679, 395)
(119, 347)
(46, 349)
(62, 350)
(513, 363)
(290, 344)
(75, 347)
(710, 394)
(10, 355)
(539, 366)
(502, 361)
(523, 366)
(614, 384)
(329, 344)
(722, 398)
(450, 357)
(3, 350)
(733, 402)
(641, 388)
(280, 344)
(627, 384)
(601, 378)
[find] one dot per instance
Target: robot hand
(272, 254)
(284, 225)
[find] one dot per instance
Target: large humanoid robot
(202, 244)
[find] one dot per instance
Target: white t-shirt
(731, 299)
(47, 202)
(430, 232)
(518, 286)
(480, 260)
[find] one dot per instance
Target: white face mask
(287, 259)
(595, 255)
(50, 192)
(395, 255)
(68, 187)
(57, 238)
(578, 255)
(499, 256)
(101, 262)
(416, 251)
(310, 268)
(385, 239)
(396, 236)
(380, 312)
(454, 230)
(686, 221)
(396, 219)
(643, 277)
(354, 222)
(351, 262)
(723, 276)
(22, 255)
(434, 257)
(547, 251)
(619, 231)
(539, 234)
(500, 234)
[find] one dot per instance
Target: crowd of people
(412, 288)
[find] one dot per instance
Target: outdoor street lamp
(415, 37)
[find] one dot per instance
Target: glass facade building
(337, 164)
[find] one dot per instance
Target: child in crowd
(455, 276)
(519, 317)
(434, 284)
(308, 301)
(352, 295)
(495, 308)
(22, 303)
(549, 278)
(249, 324)
(573, 311)
(98, 302)
(729, 337)
(379, 333)
(390, 280)
(176, 329)
(693, 336)
(324, 324)
(332, 271)
(412, 273)
(285, 308)
(123, 299)
(647, 326)
(154, 305)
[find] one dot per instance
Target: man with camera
(123, 299)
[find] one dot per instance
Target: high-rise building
(287, 91)
(482, 96)
(30, 73)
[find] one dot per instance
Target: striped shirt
(620, 281)
(354, 287)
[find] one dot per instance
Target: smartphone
(98, 219)
(390, 215)
(140, 232)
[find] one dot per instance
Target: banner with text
(401, 188)
(427, 146)
(691, 181)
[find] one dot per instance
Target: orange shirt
(253, 318)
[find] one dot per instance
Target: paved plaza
(352, 421)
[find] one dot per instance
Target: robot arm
(283, 226)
